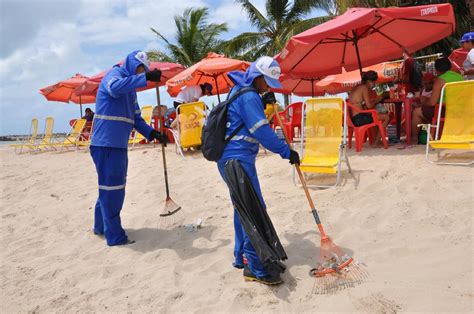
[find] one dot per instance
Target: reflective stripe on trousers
(111, 165)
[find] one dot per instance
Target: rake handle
(162, 144)
(300, 175)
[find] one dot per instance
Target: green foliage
(284, 19)
(195, 38)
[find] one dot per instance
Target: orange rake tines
(335, 270)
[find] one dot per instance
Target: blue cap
(467, 37)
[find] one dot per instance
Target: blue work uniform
(117, 113)
(244, 146)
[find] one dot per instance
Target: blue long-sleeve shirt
(117, 110)
(248, 109)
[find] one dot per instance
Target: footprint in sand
(377, 303)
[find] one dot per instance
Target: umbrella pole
(312, 88)
(158, 98)
(356, 44)
(217, 89)
(80, 104)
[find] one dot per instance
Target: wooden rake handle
(300, 175)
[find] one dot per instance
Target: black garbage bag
(254, 218)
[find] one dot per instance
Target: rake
(335, 270)
(171, 207)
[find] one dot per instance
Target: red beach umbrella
(365, 36)
(63, 91)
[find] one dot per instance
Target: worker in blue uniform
(117, 113)
(248, 109)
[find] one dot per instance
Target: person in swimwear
(360, 97)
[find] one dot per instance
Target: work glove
(153, 76)
(294, 157)
(155, 135)
(268, 98)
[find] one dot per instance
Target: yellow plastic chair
(323, 137)
(30, 142)
(73, 137)
(190, 122)
(83, 140)
(458, 130)
(47, 141)
(146, 113)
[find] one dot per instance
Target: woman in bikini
(360, 98)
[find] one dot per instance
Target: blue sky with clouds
(45, 41)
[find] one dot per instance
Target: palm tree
(284, 19)
(195, 37)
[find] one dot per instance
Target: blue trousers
(242, 242)
(111, 165)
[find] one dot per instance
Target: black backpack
(213, 132)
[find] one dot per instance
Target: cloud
(20, 20)
(45, 41)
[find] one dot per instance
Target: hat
(467, 37)
(143, 59)
(270, 69)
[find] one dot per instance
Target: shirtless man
(360, 98)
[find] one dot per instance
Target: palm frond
(255, 16)
(240, 44)
(157, 55)
(304, 25)
(301, 8)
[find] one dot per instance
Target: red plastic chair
(290, 122)
(295, 119)
(156, 126)
(363, 131)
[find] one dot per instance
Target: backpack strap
(230, 100)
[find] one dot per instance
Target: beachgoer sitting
(89, 116)
(360, 98)
(426, 112)
(428, 80)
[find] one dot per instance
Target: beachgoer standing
(117, 113)
(192, 94)
(467, 43)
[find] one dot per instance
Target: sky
(45, 41)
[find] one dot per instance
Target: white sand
(411, 223)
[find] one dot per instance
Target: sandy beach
(409, 222)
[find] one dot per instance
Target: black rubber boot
(270, 280)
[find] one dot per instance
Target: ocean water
(6, 143)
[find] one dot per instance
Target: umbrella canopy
(63, 91)
(365, 36)
(212, 69)
(340, 83)
(168, 70)
(457, 57)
